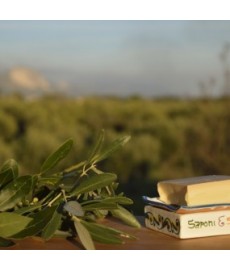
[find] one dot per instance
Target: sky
(115, 57)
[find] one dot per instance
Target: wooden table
(147, 240)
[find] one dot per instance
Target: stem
(84, 172)
(54, 199)
(52, 192)
(74, 168)
(64, 196)
(108, 190)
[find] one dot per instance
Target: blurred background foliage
(171, 138)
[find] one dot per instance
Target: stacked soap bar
(191, 207)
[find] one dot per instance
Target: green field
(171, 138)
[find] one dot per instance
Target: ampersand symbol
(220, 221)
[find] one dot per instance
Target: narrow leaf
(14, 192)
(37, 224)
(97, 146)
(94, 182)
(118, 199)
(99, 205)
(84, 235)
(57, 156)
(107, 229)
(114, 146)
(53, 225)
(103, 234)
(109, 200)
(6, 176)
(8, 172)
(96, 170)
(48, 181)
(124, 215)
(11, 164)
(74, 208)
(12, 223)
(105, 238)
(27, 209)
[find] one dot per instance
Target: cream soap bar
(203, 190)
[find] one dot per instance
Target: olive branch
(66, 203)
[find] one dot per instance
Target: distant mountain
(24, 80)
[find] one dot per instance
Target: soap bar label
(220, 221)
(196, 224)
(188, 225)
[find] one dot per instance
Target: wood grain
(147, 240)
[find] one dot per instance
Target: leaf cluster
(67, 202)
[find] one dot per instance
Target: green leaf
(114, 146)
(53, 225)
(84, 235)
(37, 224)
(100, 214)
(124, 215)
(48, 181)
(5, 242)
(57, 156)
(99, 205)
(97, 146)
(110, 200)
(12, 223)
(27, 209)
(103, 234)
(74, 208)
(11, 164)
(118, 199)
(5, 177)
(9, 171)
(94, 182)
(14, 192)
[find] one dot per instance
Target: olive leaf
(118, 199)
(94, 182)
(83, 235)
(27, 209)
(53, 225)
(12, 223)
(97, 147)
(99, 205)
(11, 164)
(8, 172)
(115, 145)
(6, 176)
(14, 192)
(38, 222)
(124, 215)
(48, 181)
(57, 156)
(103, 233)
(113, 199)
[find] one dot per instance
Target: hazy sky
(119, 57)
